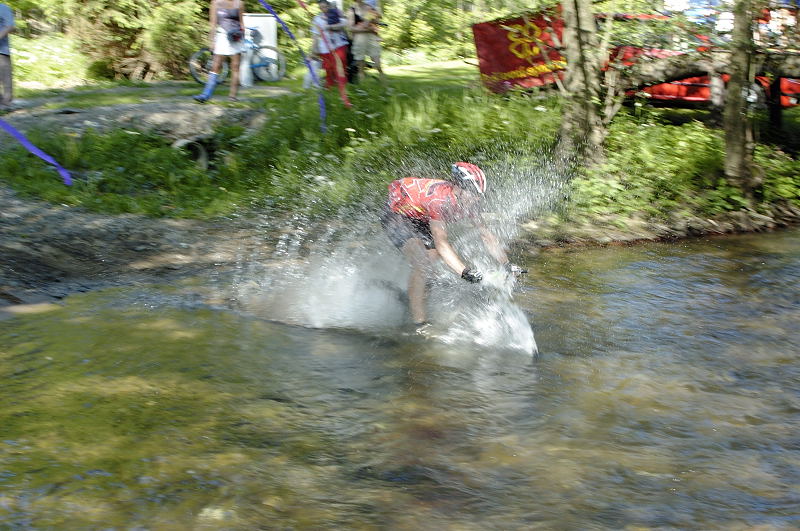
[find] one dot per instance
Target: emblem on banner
(524, 40)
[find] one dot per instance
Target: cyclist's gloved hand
(471, 275)
(514, 269)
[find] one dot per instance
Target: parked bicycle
(267, 62)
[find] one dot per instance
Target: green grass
(660, 161)
(424, 114)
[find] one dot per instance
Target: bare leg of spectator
(6, 86)
(360, 71)
(235, 60)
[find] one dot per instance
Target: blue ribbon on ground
(36, 151)
(322, 112)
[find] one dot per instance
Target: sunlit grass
(420, 118)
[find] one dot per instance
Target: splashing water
(484, 314)
(349, 276)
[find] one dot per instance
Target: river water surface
(666, 394)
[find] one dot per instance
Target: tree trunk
(737, 120)
(582, 131)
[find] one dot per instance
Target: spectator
(6, 27)
(226, 38)
(330, 42)
(363, 21)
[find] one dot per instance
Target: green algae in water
(664, 397)
(112, 412)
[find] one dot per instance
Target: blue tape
(36, 151)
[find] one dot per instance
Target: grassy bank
(661, 163)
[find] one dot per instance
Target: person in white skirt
(227, 40)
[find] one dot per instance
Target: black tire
(268, 64)
(200, 65)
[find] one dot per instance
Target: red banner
(519, 52)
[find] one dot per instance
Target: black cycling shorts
(400, 229)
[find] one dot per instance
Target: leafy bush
(52, 60)
(781, 182)
(653, 169)
(172, 32)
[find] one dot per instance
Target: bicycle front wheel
(200, 65)
(268, 64)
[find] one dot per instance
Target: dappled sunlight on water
(666, 395)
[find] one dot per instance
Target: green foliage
(781, 181)
(424, 121)
(51, 60)
(163, 33)
(172, 32)
(653, 169)
(293, 164)
(440, 30)
(290, 163)
(123, 171)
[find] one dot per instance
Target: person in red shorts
(415, 217)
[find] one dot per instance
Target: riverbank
(49, 251)
(663, 178)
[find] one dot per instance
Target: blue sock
(211, 84)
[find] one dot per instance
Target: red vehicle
(522, 52)
(698, 89)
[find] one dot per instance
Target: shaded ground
(49, 251)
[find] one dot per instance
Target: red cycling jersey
(424, 199)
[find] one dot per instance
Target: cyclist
(415, 217)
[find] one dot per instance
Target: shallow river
(666, 394)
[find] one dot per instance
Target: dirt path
(49, 251)
(160, 108)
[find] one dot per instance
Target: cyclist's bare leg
(421, 260)
(235, 60)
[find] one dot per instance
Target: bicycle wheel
(268, 64)
(200, 65)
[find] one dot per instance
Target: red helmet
(470, 177)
